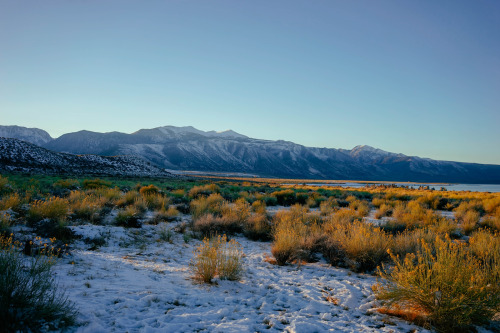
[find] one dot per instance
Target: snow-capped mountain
(18, 155)
(33, 135)
(187, 148)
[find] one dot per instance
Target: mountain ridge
(187, 148)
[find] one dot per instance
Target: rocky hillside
(22, 156)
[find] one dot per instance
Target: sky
(420, 78)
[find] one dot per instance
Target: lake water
(449, 187)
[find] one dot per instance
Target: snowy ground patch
(136, 283)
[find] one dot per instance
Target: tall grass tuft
(446, 284)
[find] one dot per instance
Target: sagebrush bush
(204, 190)
(446, 284)
(97, 183)
(257, 227)
(217, 257)
(285, 197)
(149, 190)
(383, 210)
(29, 297)
(163, 214)
(54, 208)
(359, 246)
(12, 201)
(470, 221)
(206, 205)
(128, 217)
(87, 207)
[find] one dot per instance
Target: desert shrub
(259, 207)
(206, 205)
(470, 221)
(287, 233)
(53, 208)
(204, 190)
(270, 200)
(466, 206)
(29, 298)
(329, 206)
(163, 214)
(383, 210)
(12, 201)
(446, 284)
(285, 197)
(492, 205)
(377, 202)
(112, 195)
(90, 184)
(491, 222)
(128, 199)
(4, 181)
(229, 259)
(156, 201)
(128, 217)
(257, 227)
(429, 201)
(410, 241)
(88, 208)
(209, 225)
(341, 217)
(361, 208)
(301, 198)
(70, 184)
(486, 246)
(359, 246)
(5, 223)
(413, 215)
(217, 257)
(149, 190)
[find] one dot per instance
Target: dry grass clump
(357, 245)
(128, 217)
(156, 201)
(383, 210)
(410, 216)
(5, 223)
(217, 257)
(486, 246)
(329, 206)
(70, 184)
(288, 233)
(470, 221)
(54, 208)
(446, 284)
(465, 206)
(258, 227)
(164, 214)
(91, 184)
(362, 209)
(492, 205)
(12, 201)
(206, 205)
(297, 235)
(410, 241)
(88, 207)
(128, 199)
(213, 215)
(149, 190)
(204, 190)
(29, 299)
(491, 222)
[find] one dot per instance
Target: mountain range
(186, 148)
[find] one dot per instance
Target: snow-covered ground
(137, 283)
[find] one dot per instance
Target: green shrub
(29, 299)
(285, 197)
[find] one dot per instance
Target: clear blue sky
(415, 77)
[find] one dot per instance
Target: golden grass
(53, 208)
